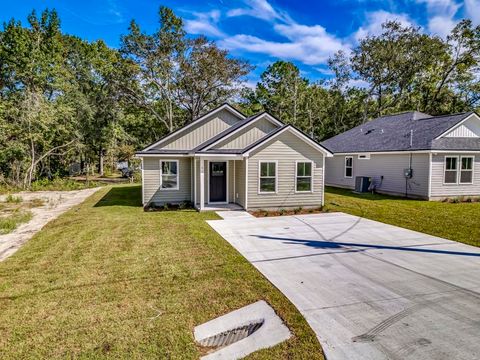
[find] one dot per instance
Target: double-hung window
(466, 170)
(451, 170)
(267, 177)
(458, 170)
(169, 174)
(348, 166)
(303, 178)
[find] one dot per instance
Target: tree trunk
(100, 162)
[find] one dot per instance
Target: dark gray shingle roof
(402, 132)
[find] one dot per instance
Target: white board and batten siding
(151, 189)
(440, 190)
(203, 131)
(248, 135)
(470, 128)
(390, 166)
(286, 150)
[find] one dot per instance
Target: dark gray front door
(218, 181)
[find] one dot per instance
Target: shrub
(185, 205)
(13, 199)
(10, 223)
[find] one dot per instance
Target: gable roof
(409, 131)
(275, 133)
(224, 106)
(232, 129)
(206, 147)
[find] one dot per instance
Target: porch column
(202, 182)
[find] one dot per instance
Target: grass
(454, 221)
(108, 280)
(11, 222)
(58, 184)
(12, 199)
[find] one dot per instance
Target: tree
(281, 91)
(156, 58)
(207, 76)
(39, 122)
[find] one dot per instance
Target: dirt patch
(44, 206)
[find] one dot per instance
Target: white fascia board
(298, 134)
(406, 152)
(260, 116)
(219, 156)
(208, 114)
(457, 125)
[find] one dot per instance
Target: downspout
(409, 163)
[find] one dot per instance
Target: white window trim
(311, 176)
(260, 162)
(460, 169)
(178, 175)
(345, 167)
(445, 169)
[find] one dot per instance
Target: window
(466, 170)
(169, 174)
(303, 178)
(267, 177)
(451, 169)
(348, 166)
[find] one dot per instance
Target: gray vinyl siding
(248, 135)
(203, 131)
(440, 190)
(286, 149)
(151, 189)
(390, 166)
(240, 182)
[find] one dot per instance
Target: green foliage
(12, 221)
(12, 199)
(401, 69)
(65, 100)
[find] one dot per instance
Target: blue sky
(260, 31)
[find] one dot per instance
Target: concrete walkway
(55, 204)
(369, 290)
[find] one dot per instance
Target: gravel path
(55, 204)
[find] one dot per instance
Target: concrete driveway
(369, 290)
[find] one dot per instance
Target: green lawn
(107, 280)
(459, 222)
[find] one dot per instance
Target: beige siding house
(410, 154)
(225, 158)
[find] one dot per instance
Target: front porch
(218, 182)
(224, 207)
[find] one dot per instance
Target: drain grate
(231, 336)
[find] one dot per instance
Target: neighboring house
(410, 154)
(225, 157)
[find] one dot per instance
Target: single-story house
(225, 157)
(409, 154)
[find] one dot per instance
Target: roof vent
(369, 131)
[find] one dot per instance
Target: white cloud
(472, 10)
(441, 25)
(374, 21)
(204, 23)
(260, 9)
(311, 45)
(441, 15)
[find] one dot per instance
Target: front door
(218, 181)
